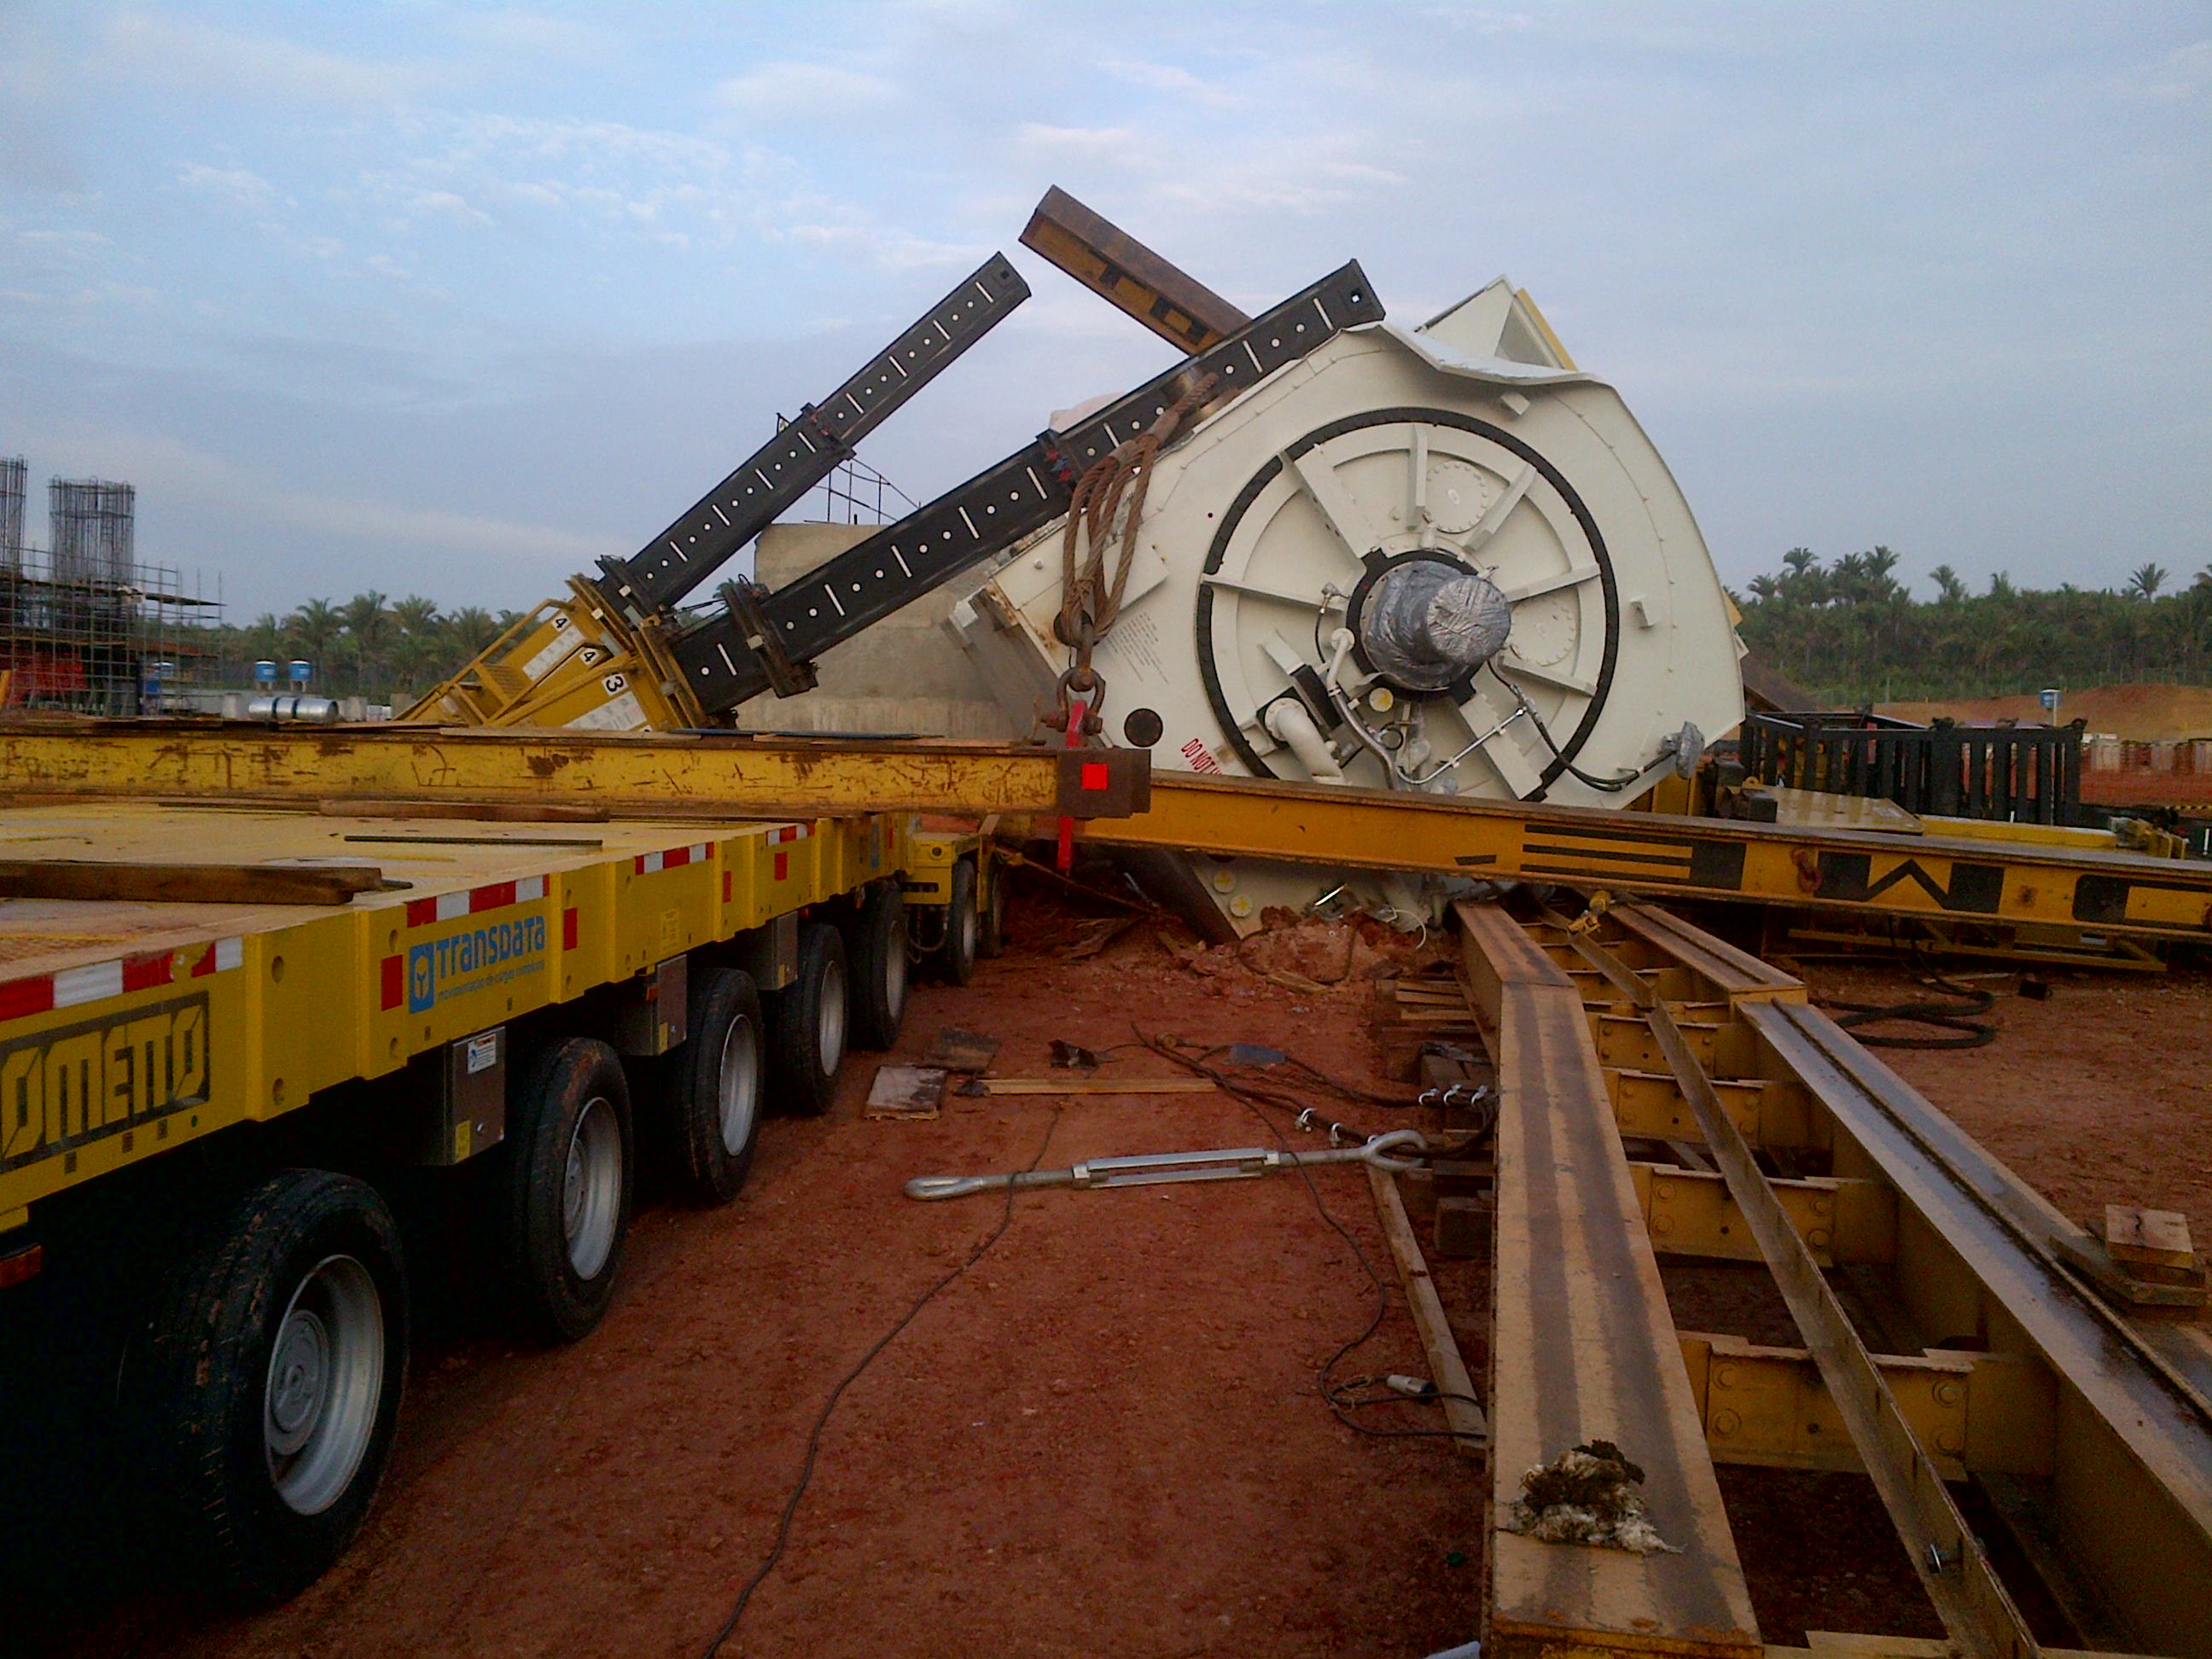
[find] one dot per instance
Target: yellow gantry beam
(1956, 880)
(651, 776)
(1937, 877)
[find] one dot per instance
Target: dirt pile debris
(1587, 1495)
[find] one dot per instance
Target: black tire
(807, 1023)
(270, 1373)
(991, 935)
(955, 958)
(714, 1089)
(875, 947)
(565, 1185)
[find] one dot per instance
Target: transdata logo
(474, 961)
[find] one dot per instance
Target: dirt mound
(2140, 714)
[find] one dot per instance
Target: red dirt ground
(2144, 714)
(1105, 1438)
(2191, 791)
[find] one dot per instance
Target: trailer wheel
(566, 1176)
(991, 937)
(807, 1023)
(963, 927)
(878, 950)
(714, 1085)
(272, 1370)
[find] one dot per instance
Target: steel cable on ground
(1335, 1395)
(829, 1406)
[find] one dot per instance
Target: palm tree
(467, 631)
(2146, 581)
(418, 652)
(368, 630)
(315, 627)
(1948, 588)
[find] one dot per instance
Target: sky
(440, 299)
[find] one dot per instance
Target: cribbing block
(1462, 1228)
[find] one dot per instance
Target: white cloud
(1171, 78)
(237, 186)
(673, 188)
(63, 241)
(446, 203)
(1080, 141)
(209, 60)
(515, 32)
(891, 249)
(2176, 78)
(162, 465)
(803, 92)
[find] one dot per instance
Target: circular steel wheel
(324, 1384)
(736, 1086)
(875, 947)
(829, 1029)
(808, 1022)
(963, 927)
(712, 1104)
(592, 1188)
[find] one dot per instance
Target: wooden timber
(1446, 1367)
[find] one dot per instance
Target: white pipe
(1287, 719)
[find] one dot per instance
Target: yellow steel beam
(2112, 1425)
(1772, 1112)
(1582, 1346)
(1690, 1213)
(1992, 1413)
(644, 775)
(1961, 881)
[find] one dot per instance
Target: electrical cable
(1957, 1016)
(1610, 785)
(829, 1406)
(1249, 1098)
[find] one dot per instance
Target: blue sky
(445, 299)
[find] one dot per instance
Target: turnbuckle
(1161, 1168)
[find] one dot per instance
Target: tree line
(1850, 632)
(371, 646)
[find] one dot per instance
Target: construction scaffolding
(84, 627)
(13, 471)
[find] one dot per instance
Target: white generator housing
(1439, 559)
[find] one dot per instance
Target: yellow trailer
(255, 1064)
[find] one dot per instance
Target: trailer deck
(133, 1025)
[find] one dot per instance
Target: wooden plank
(1582, 1347)
(1090, 1086)
(2151, 1238)
(535, 811)
(906, 1091)
(1446, 1367)
(187, 884)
